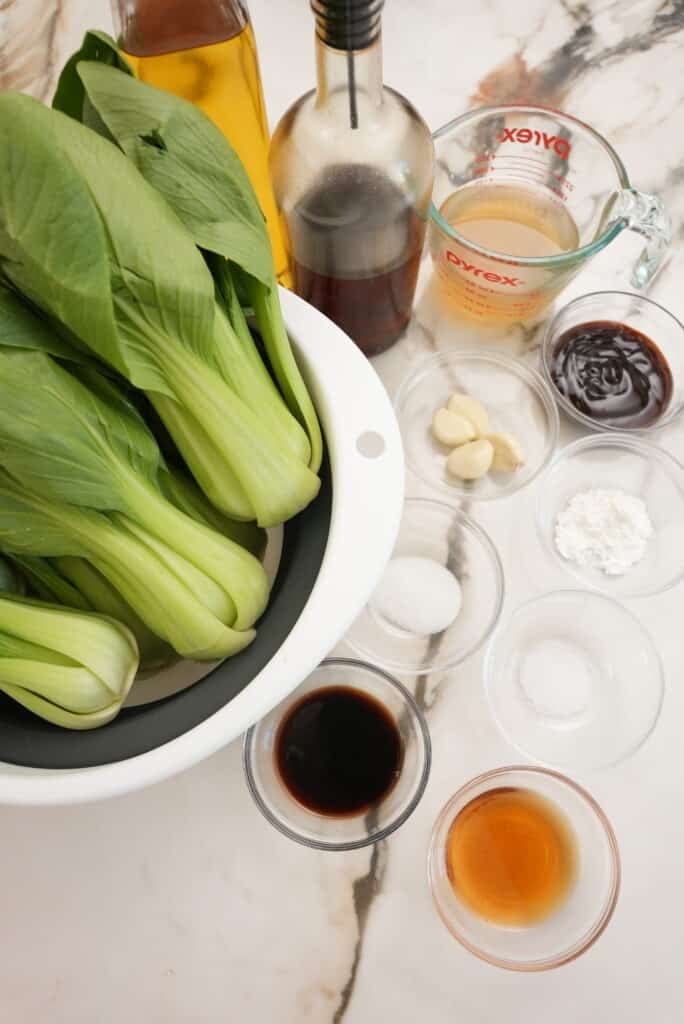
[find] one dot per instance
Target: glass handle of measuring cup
(646, 215)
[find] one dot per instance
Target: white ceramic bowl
(367, 469)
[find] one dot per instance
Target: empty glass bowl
(517, 399)
(578, 921)
(618, 462)
(638, 312)
(412, 623)
(323, 831)
(574, 680)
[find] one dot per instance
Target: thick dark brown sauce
(612, 373)
(338, 751)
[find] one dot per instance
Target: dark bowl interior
(27, 740)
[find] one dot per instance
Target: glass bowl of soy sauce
(344, 761)
(615, 362)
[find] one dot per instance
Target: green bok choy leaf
(179, 150)
(11, 581)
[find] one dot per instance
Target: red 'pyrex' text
(487, 275)
(526, 135)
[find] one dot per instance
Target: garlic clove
(450, 429)
(472, 460)
(472, 410)
(508, 454)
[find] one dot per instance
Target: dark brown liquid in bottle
(356, 244)
(338, 751)
(612, 373)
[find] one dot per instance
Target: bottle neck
(146, 28)
(357, 73)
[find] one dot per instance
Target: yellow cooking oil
(222, 79)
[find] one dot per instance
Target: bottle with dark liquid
(352, 166)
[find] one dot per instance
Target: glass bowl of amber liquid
(524, 868)
(615, 361)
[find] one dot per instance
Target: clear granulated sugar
(418, 595)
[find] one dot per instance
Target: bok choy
(90, 243)
(183, 155)
(64, 441)
(131, 245)
(70, 667)
(69, 445)
(175, 601)
(75, 583)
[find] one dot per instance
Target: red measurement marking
(524, 159)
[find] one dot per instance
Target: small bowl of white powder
(611, 513)
(440, 596)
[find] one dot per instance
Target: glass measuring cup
(523, 197)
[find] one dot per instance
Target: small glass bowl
(436, 531)
(323, 832)
(517, 399)
(578, 922)
(574, 680)
(618, 462)
(636, 311)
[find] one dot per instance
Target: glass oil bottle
(204, 51)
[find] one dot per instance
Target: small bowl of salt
(440, 597)
(574, 680)
(610, 512)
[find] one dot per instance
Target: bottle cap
(347, 24)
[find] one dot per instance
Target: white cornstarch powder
(604, 529)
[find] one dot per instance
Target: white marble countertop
(180, 903)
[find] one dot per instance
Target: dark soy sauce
(357, 243)
(612, 373)
(338, 751)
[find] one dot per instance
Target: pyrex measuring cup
(523, 197)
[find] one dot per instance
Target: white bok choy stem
(33, 525)
(72, 668)
(89, 448)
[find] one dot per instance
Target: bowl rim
(584, 595)
(367, 500)
(418, 719)
(528, 374)
(647, 450)
(671, 414)
(600, 925)
(496, 561)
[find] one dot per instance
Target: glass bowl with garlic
(476, 424)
